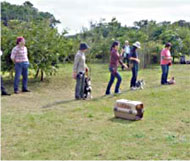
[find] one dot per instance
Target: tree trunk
(37, 73)
(42, 76)
(173, 58)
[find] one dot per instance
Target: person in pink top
(19, 56)
(165, 62)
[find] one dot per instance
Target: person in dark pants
(165, 62)
(135, 64)
(114, 62)
(19, 56)
(125, 53)
(79, 71)
(3, 91)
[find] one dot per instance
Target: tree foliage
(26, 12)
(151, 34)
(47, 47)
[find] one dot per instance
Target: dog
(171, 81)
(140, 84)
(87, 88)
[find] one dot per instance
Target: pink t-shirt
(166, 53)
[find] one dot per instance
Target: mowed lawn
(49, 124)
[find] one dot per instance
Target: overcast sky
(74, 14)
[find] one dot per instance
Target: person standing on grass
(79, 70)
(115, 59)
(165, 62)
(133, 57)
(3, 91)
(19, 56)
(125, 53)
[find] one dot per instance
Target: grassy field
(49, 124)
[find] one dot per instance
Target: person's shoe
(16, 92)
(4, 93)
(107, 94)
(118, 92)
(26, 90)
(164, 83)
(133, 88)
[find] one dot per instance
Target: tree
(44, 44)
(26, 12)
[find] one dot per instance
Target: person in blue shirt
(133, 57)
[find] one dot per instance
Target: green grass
(49, 124)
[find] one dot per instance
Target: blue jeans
(134, 75)
(79, 89)
(21, 68)
(112, 78)
(165, 71)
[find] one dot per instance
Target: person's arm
(166, 56)
(86, 67)
(121, 62)
(135, 59)
(123, 50)
(75, 67)
(13, 55)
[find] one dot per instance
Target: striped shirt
(19, 54)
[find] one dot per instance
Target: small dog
(87, 88)
(140, 84)
(171, 81)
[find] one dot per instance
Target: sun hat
(137, 44)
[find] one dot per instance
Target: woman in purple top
(115, 60)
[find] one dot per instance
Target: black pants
(126, 59)
(134, 75)
(2, 87)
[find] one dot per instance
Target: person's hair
(19, 39)
(134, 48)
(168, 44)
(115, 43)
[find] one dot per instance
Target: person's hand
(74, 75)
(125, 66)
(86, 69)
(13, 60)
(122, 51)
(138, 60)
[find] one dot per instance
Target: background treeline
(47, 47)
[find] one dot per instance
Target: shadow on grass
(121, 121)
(69, 101)
(73, 100)
(33, 84)
(58, 103)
